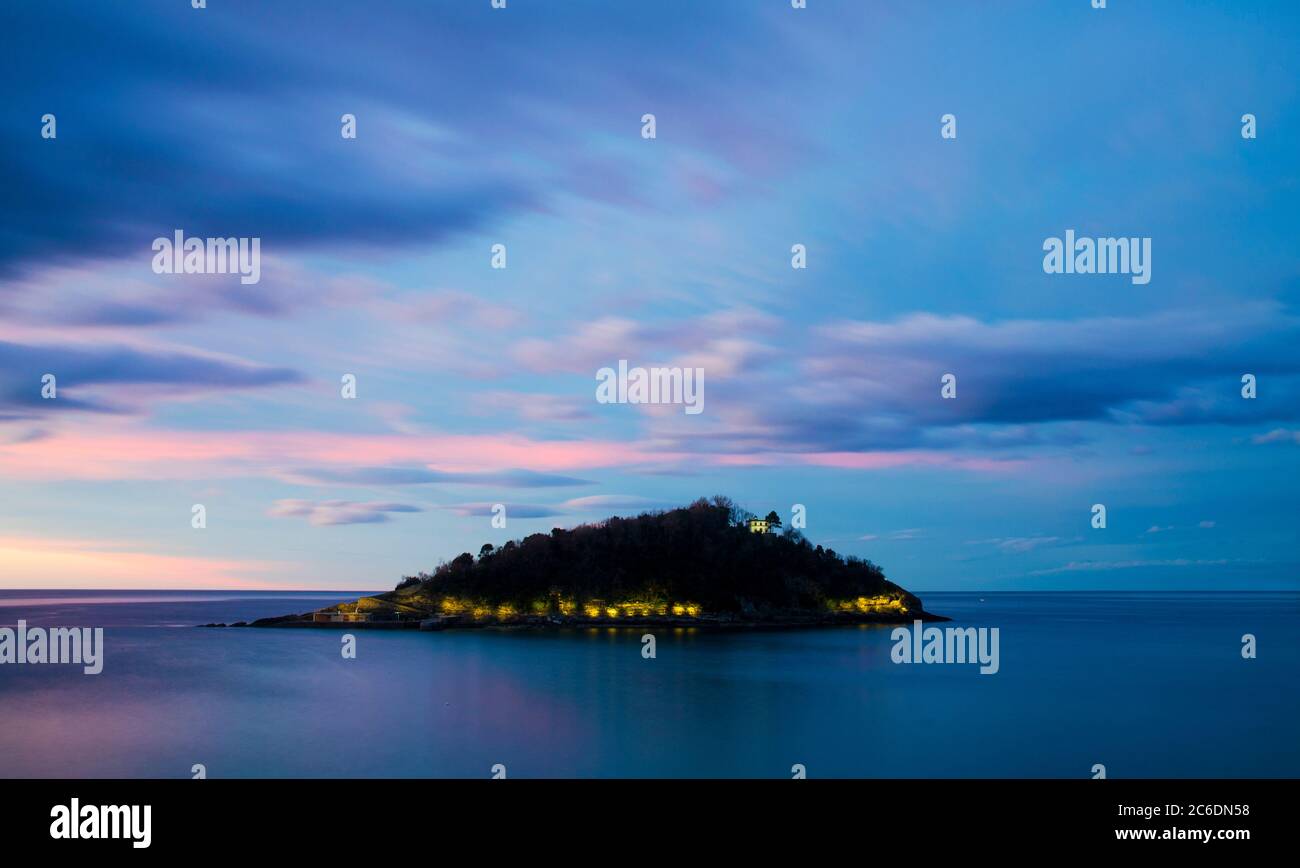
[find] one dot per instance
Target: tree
(735, 514)
(485, 551)
(773, 519)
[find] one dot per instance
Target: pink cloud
(74, 563)
(124, 452)
(875, 460)
(722, 342)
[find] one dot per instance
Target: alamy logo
(79, 645)
(949, 645)
(1099, 256)
(652, 386)
(103, 821)
(181, 255)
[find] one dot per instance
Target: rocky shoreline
(542, 622)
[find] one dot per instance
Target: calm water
(1148, 684)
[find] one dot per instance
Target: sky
(475, 385)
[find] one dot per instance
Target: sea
(1142, 684)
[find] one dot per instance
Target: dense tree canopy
(701, 553)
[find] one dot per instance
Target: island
(709, 564)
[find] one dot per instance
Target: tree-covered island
(707, 564)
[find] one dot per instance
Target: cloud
(1168, 368)
(332, 512)
(723, 343)
(910, 533)
(116, 296)
(31, 435)
(447, 306)
(605, 504)
(117, 379)
(871, 388)
(93, 563)
(1020, 545)
(862, 396)
(614, 503)
(127, 449)
(1277, 435)
(1107, 566)
(424, 476)
(422, 168)
(536, 407)
(513, 510)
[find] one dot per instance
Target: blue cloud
(425, 476)
(336, 512)
(85, 376)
